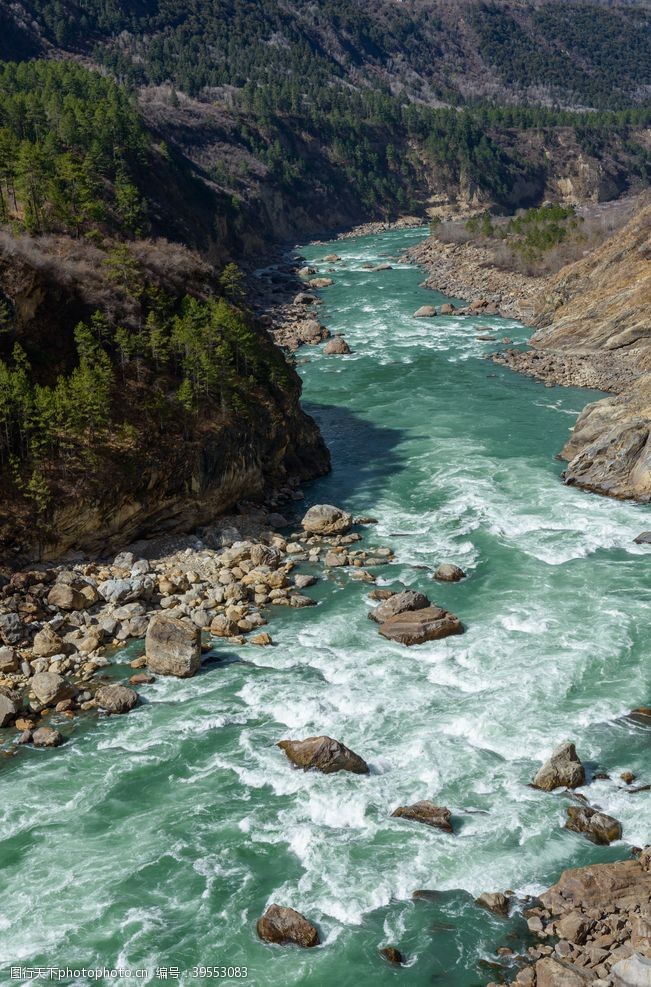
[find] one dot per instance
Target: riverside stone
(47, 737)
(562, 769)
(47, 643)
(66, 597)
(283, 926)
(426, 812)
(8, 660)
(325, 519)
(323, 754)
(172, 647)
(408, 600)
(632, 972)
(425, 312)
(8, 710)
(50, 688)
(336, 347)
(416, 627)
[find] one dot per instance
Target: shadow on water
(364, 455)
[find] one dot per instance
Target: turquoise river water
(156, 840)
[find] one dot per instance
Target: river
(156, 840)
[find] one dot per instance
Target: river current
(155, 841)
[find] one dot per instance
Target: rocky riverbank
(593, 331)
(62, 624)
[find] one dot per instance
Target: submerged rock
(324, 519)
(426, 812)
(597, 826)
(323, 754)
(172, 647)
(285, 926)
(396, 603)
(418, 626)
(392, 955)
(563, 769)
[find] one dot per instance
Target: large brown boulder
(172, 647)
(426, 812)
(286, 926)
(494, 901)
(116, 698)
(399, 603)
(50, 688)
(550, 973)
(448, 572)
(66, 597)
(47, 737)
(597, 826)
(324, 519)
(634, 971)
(418, 626)
(563, 769)
(323, 754)
(425, 312)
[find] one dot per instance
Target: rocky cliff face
(594, 320)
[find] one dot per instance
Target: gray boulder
(399, 603)
(8, 710)
(635, 971)
(324, 519)
(11, 628)
(563, 769)
(172, 647)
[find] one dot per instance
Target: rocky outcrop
(285, 926)
(563, 769)
(173, 647)
(494, 902)
(323, 754)
(594, 926)
(426, 812)
(418, 626)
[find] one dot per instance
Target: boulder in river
(644, 538)
(285, 926)
(448, 572)
(597, 826)
(323, 754)
(320, 282)
(447, 309)
(337, 346)
(324, 519)
(563, 769)
(331, 258)
(418, 626)
(50, 688)
(399, 603)
(425, 312)
(494, 901)
(428, 813)
(172, 647)
(47, 737)
(116, 698)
